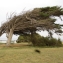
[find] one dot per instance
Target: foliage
(55, 10)
(38, 40)
(31, 21)
(35, 38)
(46, 41)
(23, 38)
(55, 42)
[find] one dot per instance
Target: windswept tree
(31, 21)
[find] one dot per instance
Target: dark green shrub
(53, 42)
(35, 39)
(23, 38)
(38, 40)
(45, 41)
(59, 43)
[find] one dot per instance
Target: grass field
(27, 54)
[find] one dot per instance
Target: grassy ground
(27, 54)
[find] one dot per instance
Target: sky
(7, 7)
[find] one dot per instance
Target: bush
(35, 39)
(59, 43)
(38, 40)
(23, 38)
(55, 42)
(45, 41)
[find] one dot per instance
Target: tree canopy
(36, 19)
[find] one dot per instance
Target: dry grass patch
(27, 54)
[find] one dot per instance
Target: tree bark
(9, 37)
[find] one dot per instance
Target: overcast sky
(7, 7)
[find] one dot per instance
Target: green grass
(27, 54)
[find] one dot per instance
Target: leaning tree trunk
(9, 37)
